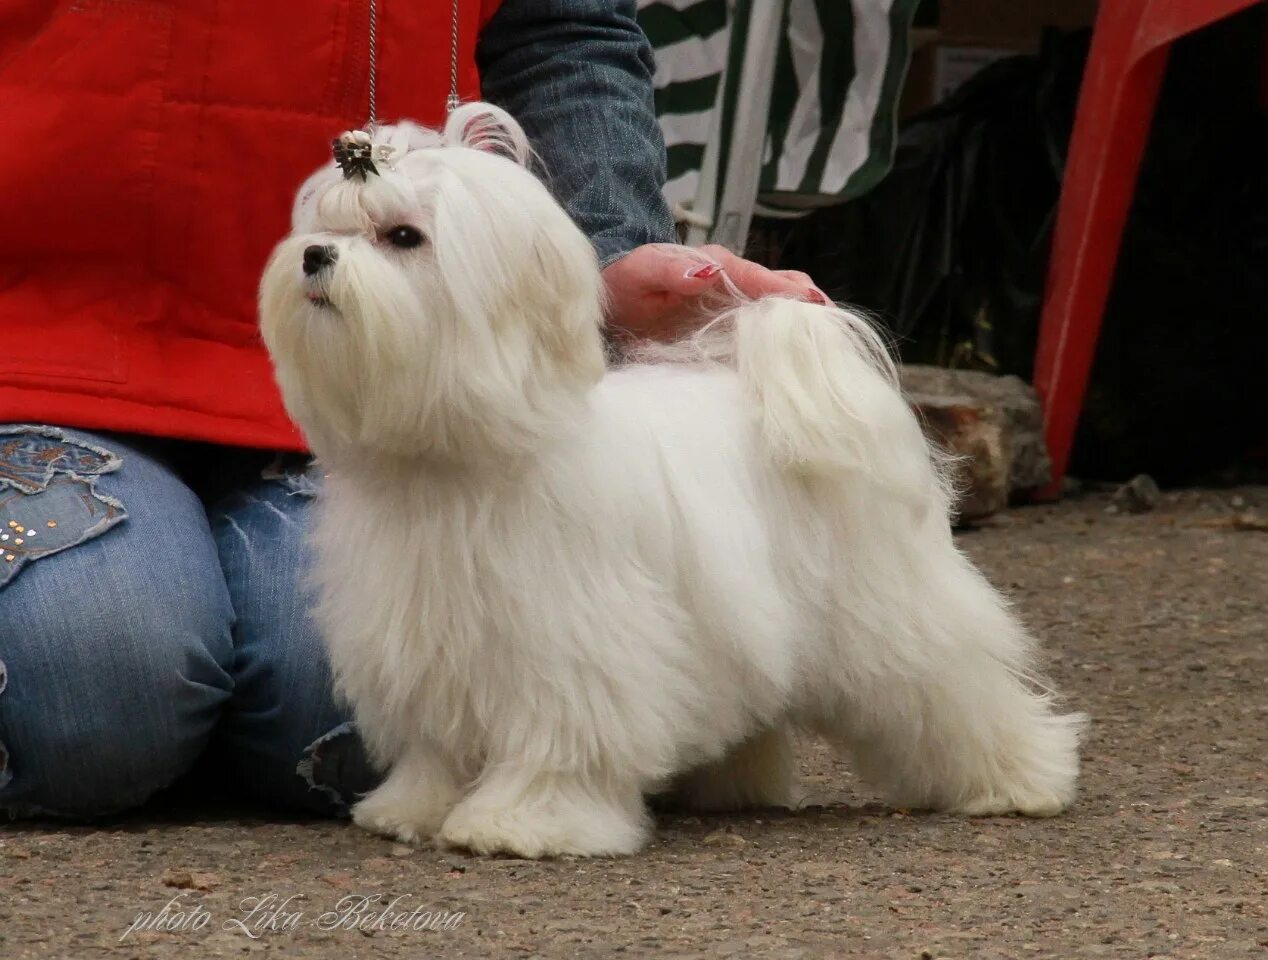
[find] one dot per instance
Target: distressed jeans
(143, 631)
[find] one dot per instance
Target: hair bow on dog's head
(356, 153)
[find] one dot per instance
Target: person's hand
(655, 291)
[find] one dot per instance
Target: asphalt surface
(1156, 624)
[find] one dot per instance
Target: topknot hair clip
(356, 154)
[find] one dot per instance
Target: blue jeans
(142, 631)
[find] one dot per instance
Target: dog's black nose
(316, 257)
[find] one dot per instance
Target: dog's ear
(482, 126)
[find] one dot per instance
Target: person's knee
(102, 708)
(284, 739)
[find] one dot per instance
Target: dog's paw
(394, 828)
(414, 823)
(513, 832)
(1028, 803)
(491, 836)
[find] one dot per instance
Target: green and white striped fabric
(784, 104)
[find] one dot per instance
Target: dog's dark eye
(403, 237)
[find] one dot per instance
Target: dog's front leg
(534, 813)
(414, 800)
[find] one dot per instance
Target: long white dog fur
(550, 588)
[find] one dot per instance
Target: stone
(993, 424)
(1140, 494)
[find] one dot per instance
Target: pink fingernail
(817, 296)
(705, 272)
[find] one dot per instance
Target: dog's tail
(830, 401)
(827, 392)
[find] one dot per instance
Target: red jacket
(149, 154)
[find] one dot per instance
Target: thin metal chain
(452, 103)
(374, 62)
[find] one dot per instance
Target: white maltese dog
(550, 588)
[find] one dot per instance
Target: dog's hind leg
(413, 801)
(943, 713)
(760, 772)
(927, 677)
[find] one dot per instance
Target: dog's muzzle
(318, 256)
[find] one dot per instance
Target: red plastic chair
(1120, 87)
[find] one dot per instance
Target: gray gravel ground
(1155, 624)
